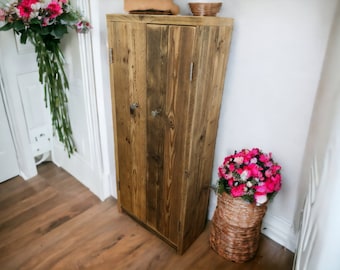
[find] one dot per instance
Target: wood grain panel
(210, 56)
(171, 20)
(177, 113)
(129, 88)
(156, 62)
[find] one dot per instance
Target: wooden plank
(156, 62)
(177, 112)
(212, 47)
(128, 89)
(171, 20)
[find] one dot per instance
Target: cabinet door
(128, 84)
(169, 64)
(151, 80)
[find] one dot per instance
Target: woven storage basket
(205, 9)
(236, 226)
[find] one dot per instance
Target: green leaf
(6, 27)
(23, 37)
(68, 18)
(35, 21)
(18, 26)
(59, 31)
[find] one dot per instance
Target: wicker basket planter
(236, 227)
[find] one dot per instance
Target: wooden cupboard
(167, 77)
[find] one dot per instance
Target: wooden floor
(53, 222)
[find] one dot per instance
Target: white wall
(319, 234)
(275, 61)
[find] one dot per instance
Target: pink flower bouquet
(44, 23)
(251, 175)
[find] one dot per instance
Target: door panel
(169, 60)
(129, 95)
(211, 53)
(157, 55)
(8, 160)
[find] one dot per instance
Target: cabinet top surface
(170, 19)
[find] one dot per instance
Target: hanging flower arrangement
(251, 175)
(44, 23)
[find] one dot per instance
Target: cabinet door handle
(133, 107)
(191, 71)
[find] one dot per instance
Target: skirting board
(79, 167)
(280, 231)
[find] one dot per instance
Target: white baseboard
(280, 231)
(78, 167)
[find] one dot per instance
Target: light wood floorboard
(54, 222)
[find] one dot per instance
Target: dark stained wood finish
(53, 222)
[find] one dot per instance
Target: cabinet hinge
(118, 185)
(179, 226)
(191, 70)
(111, 55)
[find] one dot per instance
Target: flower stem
(50, 62)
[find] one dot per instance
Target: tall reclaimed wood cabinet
(167, 77)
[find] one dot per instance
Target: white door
(8, 160)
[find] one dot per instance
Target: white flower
(260, 199)
(244, 175)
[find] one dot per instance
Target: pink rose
(231, 182)
(268, 173)
(254, 151)
(227, 160)
(25, 8)
(261, 188)
(221, 172)
(270, 186)
(54, 9)
(277, 182)
(238, 160)
(275, 168)
(238, 191)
